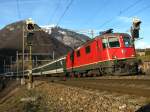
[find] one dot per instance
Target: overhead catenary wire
(24, 1)
(55, 10)
(18, 9)
(63, 14)
(140, 10)
(129, 7)
(121, 12)
(105, 4)
(137, 12)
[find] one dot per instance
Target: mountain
(11, 40)
(11, 37)
(66, 36)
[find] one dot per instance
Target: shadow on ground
(145, 108)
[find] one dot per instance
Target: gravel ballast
(65, 98)
(52, 97)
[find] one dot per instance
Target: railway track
(132, 85)
(137, 87)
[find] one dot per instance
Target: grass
(144, 58)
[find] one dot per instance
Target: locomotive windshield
(111, 42)
(114, 42)
(127, 42)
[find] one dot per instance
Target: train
(107, 54)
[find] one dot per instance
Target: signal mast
(30, 27)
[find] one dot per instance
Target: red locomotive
(110, 53)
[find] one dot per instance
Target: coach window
(104, 42)
(78, 53)
(114, 42)
(87, 49)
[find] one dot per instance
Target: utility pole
(23, 51)
(10, 63)
(36, 59)
(17, 64)
(53, 55)
(92, 34)
(4, 65)
(30, 67)
(23, 78)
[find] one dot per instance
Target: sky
(81, 15)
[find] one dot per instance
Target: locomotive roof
(102, 36)
(112, 34)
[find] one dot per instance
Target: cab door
(105, 49)
(99, 50)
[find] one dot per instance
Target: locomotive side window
(114, 42)
(72, 56)
(78, 53)
(104, 42)
(127, 42)
(87, 49)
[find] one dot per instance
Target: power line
(67, 8)
(106, 22)
(18, 9)
(24, 1)
(129, 7)
(105, 4)
(54, 13)
(140, 10)
(121, 12)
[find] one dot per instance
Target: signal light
(135, 28)
(30, 26)
(136, 23)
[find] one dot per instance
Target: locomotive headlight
(133, 55)
(114, 57)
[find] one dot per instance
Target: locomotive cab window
(87, 49)
(78, 53)
(105, 43)
(114, 42)
(127, 42)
